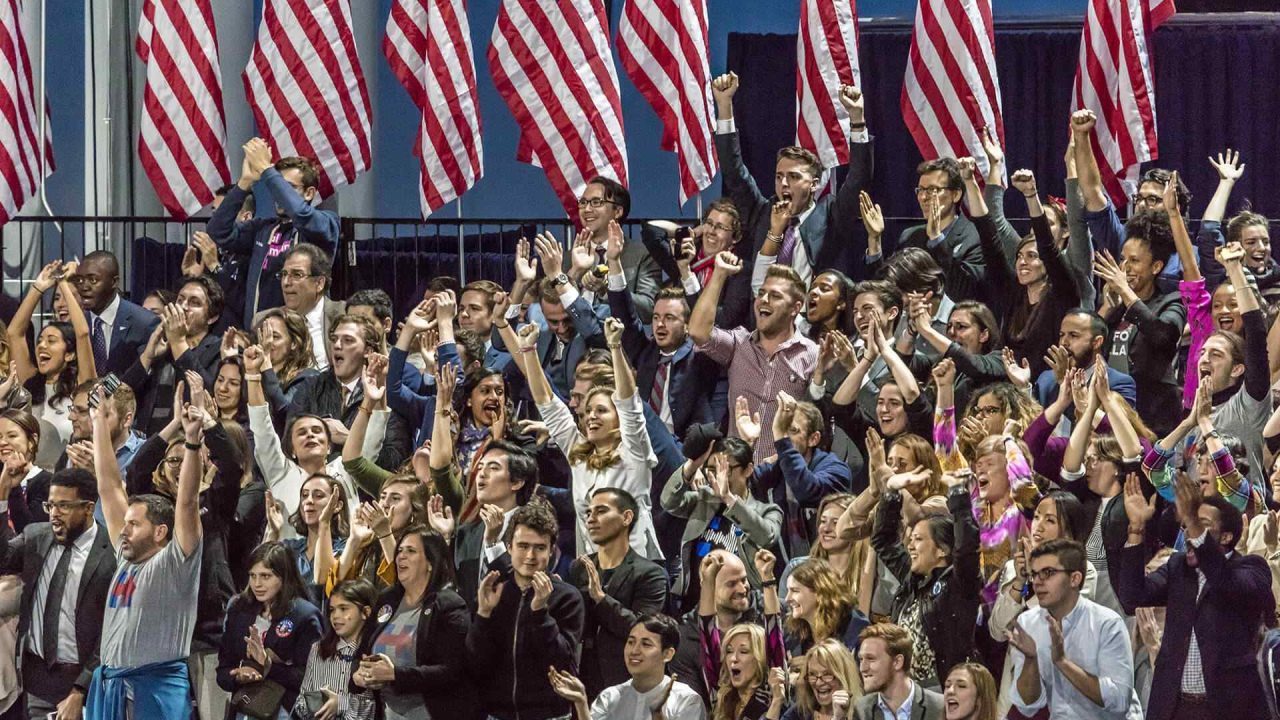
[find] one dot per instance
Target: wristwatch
(560, 280)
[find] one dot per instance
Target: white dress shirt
(66, 651)
(1096, 639)
(108, 317)
(319, 340)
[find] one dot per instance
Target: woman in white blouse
(608, 446)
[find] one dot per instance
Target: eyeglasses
(1151, 201)
(63, 506)
(825, 678)
(173, 461)
(720, 228)
(931, 190)
(1046, 574)
(294, 275)
(594, 203)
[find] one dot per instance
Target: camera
(109, 385)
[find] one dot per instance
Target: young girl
(326, 686)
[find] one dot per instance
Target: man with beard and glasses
(66, 566)
(291, 183)
(151, 604)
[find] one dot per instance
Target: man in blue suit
(1081, 336)
(291, 183)
(119, 329)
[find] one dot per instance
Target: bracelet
(773, 237)
(383, 537)
(253, 377)
(503, 326)
(769, 583)
(192, 446)
(529, 348)
(858, 126)
(1031, 195)
(615, 346)
(364, 409)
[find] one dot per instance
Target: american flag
(951, 91)
(181, 143)
(1115, 81)
(428, 44)
(22, 167)
(662, 45)
(551, 62)
(306, 88)
(826, 58)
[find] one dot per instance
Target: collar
(906, 704)
(108, 314)
(315, 316)
(799, 219)
(945, 306)
(350, 386)
(131, 442)
(85, 542)
(32, 471)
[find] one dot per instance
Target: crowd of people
(704, 473)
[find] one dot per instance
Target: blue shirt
(904, 712)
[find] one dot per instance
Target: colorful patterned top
(1230, 484)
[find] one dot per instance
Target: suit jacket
(925, 705)
(636, 587)
(644, 276)
(1227, 617)
(828, 232)
(691, 377)
(133, 327)
(333, 309)
(439, 672)
(1047, 387)
(25, 554)
(590, 333)
(468, 548)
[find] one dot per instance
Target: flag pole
(462, 263)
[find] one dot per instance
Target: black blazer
(1227, 617)
(828, 231)
(440, 675)
(1153, 348)
(290, 638)
(133, 327)
(25, 554)
(636, 587)
(692, 375)
(468, 548)
(321, 395)
(27, 506)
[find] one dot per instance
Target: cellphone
(109, 385)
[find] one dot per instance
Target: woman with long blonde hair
(829, 683)
(743, 691)
(743, 665)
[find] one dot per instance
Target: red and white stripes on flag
(183, 135)
(551, 62)
(826, 58)
(428, 44)
(1115, 80)
(951, 91)
(306, 88)
(22, 167)
(662, 45)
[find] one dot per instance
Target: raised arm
(1082, 431)
(1181, 238)
(442, 445)
(111, 491)
(1090, 177)
(374, 383)
(902, 374)
(1230, 170)
(623, 377)
(535, 374)
(187, 529)
(702, 319)
(86, 364)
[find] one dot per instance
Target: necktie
(99, 340)
(788, 251)
(53, 608)
(658, 392)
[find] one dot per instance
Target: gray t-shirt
(151, 609)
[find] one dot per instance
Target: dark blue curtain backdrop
(1215, 88)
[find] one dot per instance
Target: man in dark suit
(66, 566)
(617, 587)
(674, 380)
(574, 326)
(118, 329)
(794, 227)
(1216, 601)
(949, 236)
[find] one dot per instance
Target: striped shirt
(335, 674)
(759, 376)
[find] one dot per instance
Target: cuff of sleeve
(569, 296)
(4, 506)
(1070, 476)
(860, 136)
(494, 551)
(617, 283)
(726, 127)
(870, 258)
(816, 391)
(691, 285)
